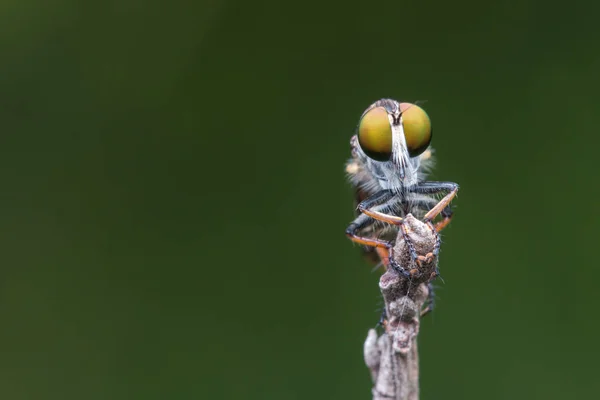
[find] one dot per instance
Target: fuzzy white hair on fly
(426, 164)
(361, 172)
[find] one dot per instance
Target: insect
(388, 169)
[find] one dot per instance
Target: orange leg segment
(379, 216)
(377, 243)
(442, 224)
(440, 206)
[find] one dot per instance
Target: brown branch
(393, 358)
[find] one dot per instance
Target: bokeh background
(173, 197)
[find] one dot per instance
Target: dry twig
(393, 358)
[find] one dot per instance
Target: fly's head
(390, 139)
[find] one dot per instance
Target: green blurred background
(173, 197)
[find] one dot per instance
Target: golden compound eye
(375, 134)
(417, 128)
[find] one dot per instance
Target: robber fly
(388, 168)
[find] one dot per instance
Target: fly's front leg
(443, 206)
(425, 205)
(371, 211)
(381, 213)
(364, 221)
(361, 222)
(446, 218)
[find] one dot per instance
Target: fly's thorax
(396, 176)
(372, 174)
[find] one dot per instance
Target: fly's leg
(398, 221)
(365, 208)
(371, 214)
(363, 221)
(438, 187)
(426, 205)
(443, 206)
(384, 256)
(380, 214)
(369, 208)
(446, 218)
(420, 204)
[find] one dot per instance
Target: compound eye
(417, 128)
(375, 134)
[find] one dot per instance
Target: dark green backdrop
(173, 199)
